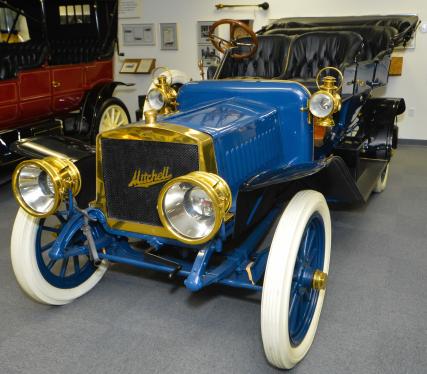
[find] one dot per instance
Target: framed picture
(203, 28)
(139, 34)
(208, 54)
(169, 36)
(129, 66)
(146, 65)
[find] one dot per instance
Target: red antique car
(56, 70)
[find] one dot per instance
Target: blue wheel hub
(303, 298)
(67, 272)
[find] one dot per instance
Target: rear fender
(92, 103)
(378, 125)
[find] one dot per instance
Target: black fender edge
(379, 126)
(92, 103)
(80, 153)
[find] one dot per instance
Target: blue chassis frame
(112, 245)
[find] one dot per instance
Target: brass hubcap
(320, 279)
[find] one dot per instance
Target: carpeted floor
(374, 319)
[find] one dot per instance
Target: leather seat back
(21, 56)
(312, 51)
(377, 40)
(267, 62)
(74, 51)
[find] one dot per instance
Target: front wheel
(43, 279)
(295, 279)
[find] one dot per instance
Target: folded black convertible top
(405, 24)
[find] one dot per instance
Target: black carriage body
(56, 68)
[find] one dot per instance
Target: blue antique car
(286, 126)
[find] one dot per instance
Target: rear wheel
(382, 180)
(295, 279)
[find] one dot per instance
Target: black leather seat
(267, 62)
(377, 40)
(74, 51)
(405, 24)
(312, 51)
(21, 56)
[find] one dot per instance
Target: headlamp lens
(156, 99)
(321, 105)
(36, 188)
(189, 210)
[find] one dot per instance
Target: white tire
(27, 270)
(178, 77)
(280, 350)
(382, 180)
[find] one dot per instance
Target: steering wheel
(223, 45)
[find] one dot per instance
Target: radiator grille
(121, 159)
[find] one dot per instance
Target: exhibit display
(56, 70)
(286, 128)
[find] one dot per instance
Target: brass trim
(320, 280)
(159, 132)
(218, 191)
(64, 174)
(249, 272)
(150, 117)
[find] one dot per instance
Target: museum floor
(373, 321)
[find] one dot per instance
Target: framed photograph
(208, 54)
(146, 65)
(129, 66)
(139, 34)
(203, 31)
(169, 36)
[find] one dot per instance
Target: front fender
(286, 173)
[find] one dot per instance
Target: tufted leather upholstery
(75, 51)
(377, 40)
(399, 22)
(268, 61)
(312, 51)
(20, 56)
(404, 24)
(5, 68)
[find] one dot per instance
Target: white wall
(411, 85)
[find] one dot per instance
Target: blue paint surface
(255, 126)
(66, 272)
(303, 299)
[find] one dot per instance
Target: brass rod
(264, 6)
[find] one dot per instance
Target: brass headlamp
(194, 206)
(40, 186)
(162, 97)
(326, 102)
